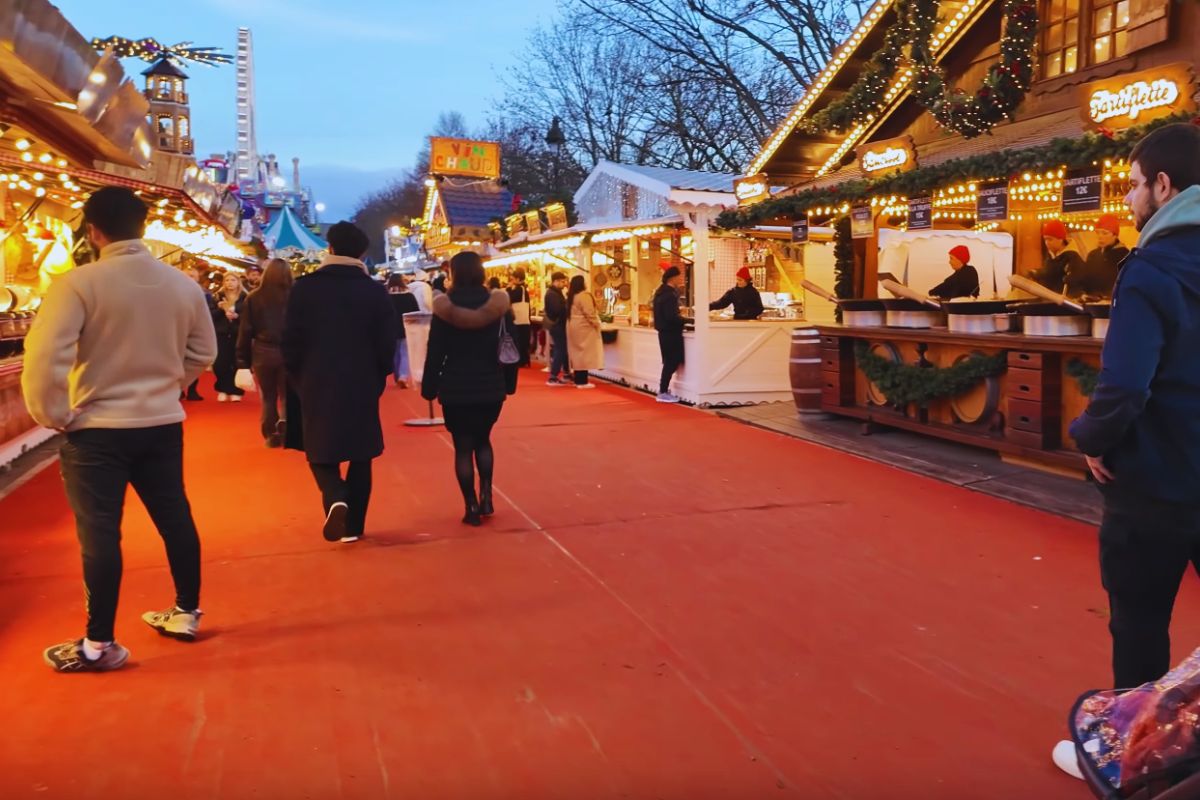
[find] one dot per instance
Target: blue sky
(349, 87)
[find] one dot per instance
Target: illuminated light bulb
(39, 176)
(65, 178)
(27, 157)
(22, 144)
(45, 158)
(40, 192)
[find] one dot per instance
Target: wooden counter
(1023, 414)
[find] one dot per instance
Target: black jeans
(1143, 556)
(558, 352)
(671, 347)
(354, 490)
(97, 465)
(225, 367)
(521, 337)
(272, 383)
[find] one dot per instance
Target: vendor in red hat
(745, 299)
(1102, 265)
(1063, 268)
(963, 281)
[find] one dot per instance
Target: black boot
(486, 508)
(472, 516)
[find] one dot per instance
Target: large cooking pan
(857, 312)
(910, 308)
(977, 316)
(1058, 316)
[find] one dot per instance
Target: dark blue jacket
(1144, 417)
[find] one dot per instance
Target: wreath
(1002, 91)
(903, 384)
(1004, 86)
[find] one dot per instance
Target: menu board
(1082, 190)
(800, 230)
(920, 214)
(862, 223)
(992, 202)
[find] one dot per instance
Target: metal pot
(974, 323)
(1052, 319)
(864, 319)
(903, 312)
(1099, 312)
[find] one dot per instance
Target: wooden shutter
(1149, 23)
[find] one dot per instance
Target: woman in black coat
(227, 308)
(338, 342)
(463, 372)
(259, 340)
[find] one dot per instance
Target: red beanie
(744, 273)
(1109, 223)
(961, 253)
(1056, 229)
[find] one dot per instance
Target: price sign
(862, 223)
(992, 203)
(800, 230)
(1082, 190)
(920, 214)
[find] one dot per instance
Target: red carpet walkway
(667, 605)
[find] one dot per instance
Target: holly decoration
(968, 115)
(1004, 86)
(903, 384)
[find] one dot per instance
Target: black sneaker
(335, 522)
(69, 657)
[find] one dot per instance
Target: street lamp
(556, 139)
(320, 207)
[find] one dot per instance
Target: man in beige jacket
(114, 345)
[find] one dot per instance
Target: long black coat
(339, 339)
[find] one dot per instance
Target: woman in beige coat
(583, 333)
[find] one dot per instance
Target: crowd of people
(121, 342)
(117, 340)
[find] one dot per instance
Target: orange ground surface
(667, 605)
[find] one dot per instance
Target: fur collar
(496, 307)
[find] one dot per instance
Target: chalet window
(1060, 38)
(1110, 18)
(1077, 34)
(184, 127)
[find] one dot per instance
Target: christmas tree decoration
(150, 50)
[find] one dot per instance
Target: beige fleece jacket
(115, 342)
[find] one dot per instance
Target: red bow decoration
(1107, 133)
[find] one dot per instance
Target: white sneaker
(585, 386)
(349, 539)
(235, 398)
(667, 398)
(545, 369)
(222, 398)
(1065, 758)
(175, 623)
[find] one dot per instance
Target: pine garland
(1063, 152)
(1004, 86)
(904, 384)
(843, 262)
(1086, 376)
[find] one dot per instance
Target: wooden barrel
(886, 350)
(977, 405)
(804, 367)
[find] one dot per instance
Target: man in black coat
(669, 324)
(518, 297)
(338, 344)
(554, 320)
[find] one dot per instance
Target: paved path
(667, 605)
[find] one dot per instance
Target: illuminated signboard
(514, 224)
(464, 157)
(890, 155)
(1136, 98)
(556, 215)
(751, 190)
